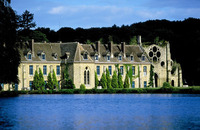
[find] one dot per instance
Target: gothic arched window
(86, 76)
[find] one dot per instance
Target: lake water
(101, 111)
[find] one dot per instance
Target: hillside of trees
(184, 37)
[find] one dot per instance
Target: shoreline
(161, 90)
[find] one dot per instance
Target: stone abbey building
(86, 59)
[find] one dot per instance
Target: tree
(133, 41)
(38, 36)
(114, 80)
(41, 80)
(55, 81)
(151, 76)
(126, 81)
(26, 20)
(35, 85)
(9, 57)
(96, 80)
(120, 82)
(108, 79)
(50, 82)
(68, 82)
(103, 81)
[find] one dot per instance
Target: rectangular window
(29, 56)
(145, 84)
(110, 69)
(30, 69)
(16, 86)
(44, 69)
(143, 58)
(30, 84)
(96, 57)
(120, 57)
(122, 70)
(58, 70)
(131, 58)
(98, 70)
(133, 84)
(85, 56)
(43, 56)
(145, 70)
(108, 58)
(133, 70)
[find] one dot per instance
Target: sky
(104, 13)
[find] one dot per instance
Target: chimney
(110, 47)
(139, 40)
(32, 47)
(98, 46)
(123, 47)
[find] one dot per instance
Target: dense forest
(184, 38)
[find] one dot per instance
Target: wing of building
(86, 59)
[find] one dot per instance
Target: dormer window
(55, 55)
(143, 58)
(108, 57)
(120, 58)
(29, 56)
(43, 56)
(132, 59)
(85, 56)
(96, 57)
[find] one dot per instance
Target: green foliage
(68, 82)
(103, 81)
(38, 36)
(114, 82)
(133, 41)
(50, 82)
(88, 42)
(126, 82)
(166, 85)
(9, 57)
(151, 76)
(96, 80)
(82, 86)
(120, 82)
(26, 20)
(55, 81)
(108, 79)
(41, 80)
(36, 84)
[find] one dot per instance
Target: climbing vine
(151, 76)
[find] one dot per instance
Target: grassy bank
(175, 90)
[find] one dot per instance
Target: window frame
(31, 70)
(122, 70)
(57, 70)
(110, 70)
(145, 70)
(133, 70)
(98, 70)
(44, 69)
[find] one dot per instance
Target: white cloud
(57, 10)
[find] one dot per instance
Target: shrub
(166, 85)
(82, 86)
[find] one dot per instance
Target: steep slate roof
(74, 51)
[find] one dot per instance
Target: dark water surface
(101, 111)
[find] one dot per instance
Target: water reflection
(120, 111)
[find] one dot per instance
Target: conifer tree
(114, 80)
(55, 81)
(68, 82)
(108, 79)
(96, 80)
(41, 80)
(120, 82)
(126, 81)
(50, 81)
(35, 85)
(103, 81)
